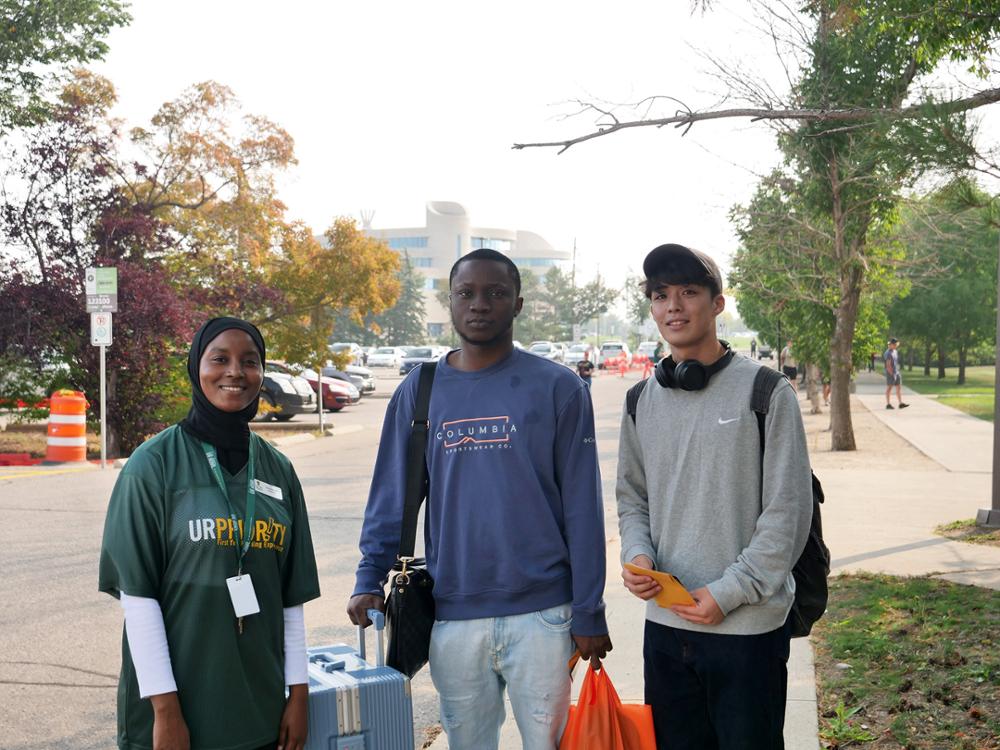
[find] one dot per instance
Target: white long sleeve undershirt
(296, 661)
(147, 642)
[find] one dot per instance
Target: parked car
(546, 350)
(336, 393)
(418, 355)
(284, 394)
(765, 351)
(366, 375)
(355, 350)
(578, 353)
(386, 356)
(360, 377)
(611, 351)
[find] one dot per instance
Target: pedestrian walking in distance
(893, 375)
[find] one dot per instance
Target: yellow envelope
(672, 592)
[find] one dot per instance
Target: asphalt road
(60, 639)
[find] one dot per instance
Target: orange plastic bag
(600, 721)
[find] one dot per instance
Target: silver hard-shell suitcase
(354, 705)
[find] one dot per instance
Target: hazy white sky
(394, 103)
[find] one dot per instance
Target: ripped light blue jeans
(472, 661)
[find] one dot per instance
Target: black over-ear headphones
(690, 375)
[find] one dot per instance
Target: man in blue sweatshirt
(515, 522)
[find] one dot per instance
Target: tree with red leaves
(62, 212)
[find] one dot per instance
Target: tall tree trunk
(841, 346)
(928, 350)
(940, 361)
(963, 352)
(842, 343)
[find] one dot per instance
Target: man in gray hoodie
(695, 499)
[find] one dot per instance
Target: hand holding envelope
(671, 590)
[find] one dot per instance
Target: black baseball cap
(680, 264)
(893, 341)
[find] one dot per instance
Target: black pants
(716, 692)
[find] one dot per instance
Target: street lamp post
(991, 516)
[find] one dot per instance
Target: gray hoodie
(689, 496)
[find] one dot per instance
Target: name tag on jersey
(243, 596)
(267, 489)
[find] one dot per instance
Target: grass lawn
(908, 663)
(33, 442)
(975, 397)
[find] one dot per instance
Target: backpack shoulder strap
(416, 461)
(764, 384)
(632, 397)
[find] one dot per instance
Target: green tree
(38, 40)
(786, 280)
(869, 123)
(592, 300)
(636, 304)
(400, 324)
(570, 305)
(536, 321)
(953, 271)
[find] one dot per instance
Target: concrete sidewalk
(958, 442)
(882, 518)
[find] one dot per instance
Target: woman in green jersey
(207, 546)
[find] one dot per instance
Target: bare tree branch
(688, 118)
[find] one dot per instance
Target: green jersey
(169, 536)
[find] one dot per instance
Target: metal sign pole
(101, 288)
(104, 412)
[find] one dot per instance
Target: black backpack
(813, 566)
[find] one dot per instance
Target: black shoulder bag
(410, 606)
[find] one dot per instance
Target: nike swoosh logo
(727, 421)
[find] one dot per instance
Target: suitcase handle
(378, 619)
(326, 663)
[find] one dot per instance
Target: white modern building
(447, 236)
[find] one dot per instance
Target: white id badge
(267, 489)
(243, 596)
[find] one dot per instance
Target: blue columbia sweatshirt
(515, 520)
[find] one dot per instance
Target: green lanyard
(246, 532)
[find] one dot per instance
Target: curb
(299, 437)
(345, 430)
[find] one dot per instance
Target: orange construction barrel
(67, 434)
